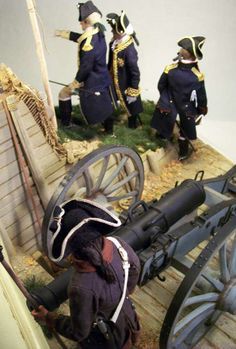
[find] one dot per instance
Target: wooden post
(40, 53)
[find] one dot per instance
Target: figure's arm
(202, 99)
(78, 325)
(131, 62)
(66, 34)
(163, 82)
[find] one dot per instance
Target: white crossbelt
(125, 264)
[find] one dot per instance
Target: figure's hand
(131, 99)
(44, 317)
(40, 314)
(164, 112)
(198, 119)
(65, 34)
(74, 85)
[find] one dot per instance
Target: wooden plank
(33, 245)
(5, 134)
(31, 232)
(23, 109)
(34, 130)
(24, 222)
(5, 145)
(48, 160)
(56, 175)
(54, 167)
(37, 140)
(7, 157)
(9, 206)
(43, 151)
(14, 199)
(11, 185)
(32, 157)
(19, 211)
(3, 118)
(28, 120)
(9, 172)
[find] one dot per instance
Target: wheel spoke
(115, 173)
(219, 286)
(208, 297)
(118, 185)
(132, 194)
(102, 172)
(192, 326)
(195, 316)
(232, 262)
(88, 182)
(225, 276)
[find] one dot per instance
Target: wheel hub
(227, 300)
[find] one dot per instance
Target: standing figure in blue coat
(182, 92)
(123, 66)
(92, 79)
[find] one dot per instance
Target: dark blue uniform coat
(182, 91)
(91, 296)
(93, 72)
(123, 66)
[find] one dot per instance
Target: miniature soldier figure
(182, 91)
(97, 284)
(92, 79)
(123, 66)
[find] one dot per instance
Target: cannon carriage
(162, 232)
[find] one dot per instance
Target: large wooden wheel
(208, 289)
(108, 175)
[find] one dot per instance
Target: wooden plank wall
(15, 212)
(45, 171)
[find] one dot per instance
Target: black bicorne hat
(193, 44)
(75, 224)
(121, 24)
(86, 9)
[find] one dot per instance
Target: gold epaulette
(199, 75)
(133, 92)
(170, 67)
(87, 46)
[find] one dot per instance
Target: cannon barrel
(157, 217)
(161, 215)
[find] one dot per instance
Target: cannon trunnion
(163, 233)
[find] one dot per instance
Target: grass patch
(140, 139)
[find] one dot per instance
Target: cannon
(163, 233)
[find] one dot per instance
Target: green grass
(140, 139)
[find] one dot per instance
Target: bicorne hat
(86, 9)
(75, 224)
(193, 44)
(121, 24)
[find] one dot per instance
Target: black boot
(183, 149)
(133, 121)
(65, 109)
(108, 125)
